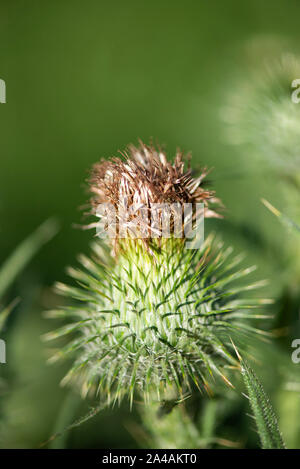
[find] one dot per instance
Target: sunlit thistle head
(144, 190)
(155, 316)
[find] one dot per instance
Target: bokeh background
(83, 80)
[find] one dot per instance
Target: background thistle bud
(262, 119)
(157, 316)
(263, 114)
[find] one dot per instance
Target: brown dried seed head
(141, 177)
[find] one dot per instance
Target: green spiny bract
(149, 323)
(153, 316)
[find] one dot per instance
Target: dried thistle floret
(143, 178)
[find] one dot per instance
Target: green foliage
(12, 267)
(285, 220)
(261, 116)
(20, 257)
(198, 418)
(5, 313)
(24, 252)
(265, 418)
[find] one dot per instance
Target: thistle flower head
(144, 181)
(145, 323)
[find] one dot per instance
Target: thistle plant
(262, 116)
(151, 318)
(262, 120)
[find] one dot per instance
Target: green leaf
(24, 252)
(282, 217)
(6, 312)
(264, 415)
(92, 413)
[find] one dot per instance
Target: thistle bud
(152, 315)
(262, 114)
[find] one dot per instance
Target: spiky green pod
(148, 323)
(152, 317)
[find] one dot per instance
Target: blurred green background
(83, 80)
